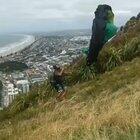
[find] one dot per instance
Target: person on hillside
(103, 29)
(58, 82)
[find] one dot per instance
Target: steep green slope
(108, 107)
(11, 66)
(103, 101)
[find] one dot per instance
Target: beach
(17, 46)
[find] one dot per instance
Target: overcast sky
(51, 15)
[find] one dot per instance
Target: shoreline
(17, 46)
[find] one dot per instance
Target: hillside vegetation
(103, 101)
(10, 66)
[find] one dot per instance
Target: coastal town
(40, 57)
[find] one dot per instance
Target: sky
(55, 15)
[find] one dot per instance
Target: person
(58, 82)
(102, 30)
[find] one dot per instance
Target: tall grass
(81, 73)
(37, 95)
(112, 56)
(105, 118)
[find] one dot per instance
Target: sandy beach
(17, 46)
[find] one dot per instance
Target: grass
(103, 101)
(109, 112)
(38, 95)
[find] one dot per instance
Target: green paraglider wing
(85, 51)
(110, 31)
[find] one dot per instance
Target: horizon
(52, 16)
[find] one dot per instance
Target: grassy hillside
(103, 101)
(106, 108)
(11, 66)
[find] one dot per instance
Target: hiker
(58, 82)
(102, 30)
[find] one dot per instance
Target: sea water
(13, 43)
(9, 39)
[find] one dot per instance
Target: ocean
(9, 39)
(13, 43)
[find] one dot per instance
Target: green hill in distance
(10, 66)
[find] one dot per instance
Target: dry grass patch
(110, 117)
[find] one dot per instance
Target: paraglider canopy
(110, 31)
(103, 29)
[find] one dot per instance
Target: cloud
(17, 13)
(123, 12)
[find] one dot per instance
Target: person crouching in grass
(58, 82)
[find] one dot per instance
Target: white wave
(17, 46)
